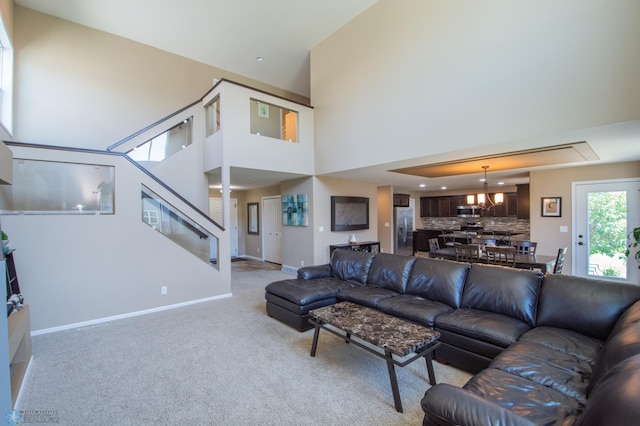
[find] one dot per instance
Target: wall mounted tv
(349, 213)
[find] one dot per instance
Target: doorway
(604, 214)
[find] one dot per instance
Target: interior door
(604, 213)
(215, 213)
(272, 229)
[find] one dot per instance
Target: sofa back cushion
(438, 280)
(614, 401)
(586, 305)
(623, 345)
(630, 317)
(503, 290)
(390, 271)
(351, 265)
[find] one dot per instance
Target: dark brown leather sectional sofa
(554, 350)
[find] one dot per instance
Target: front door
(605, 213)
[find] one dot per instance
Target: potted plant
(634, 241)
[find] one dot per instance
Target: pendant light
(484, 200)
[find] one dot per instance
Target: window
(6, 83)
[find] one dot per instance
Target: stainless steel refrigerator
(403, 227)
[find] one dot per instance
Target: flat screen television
(349, 213)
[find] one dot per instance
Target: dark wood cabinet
(400, 200)
(421, 239)
(523, 201)
(515, 204)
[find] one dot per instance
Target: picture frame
(263, 110)
(349, 213)
(295, 210)
(253, 223)
(551, 207)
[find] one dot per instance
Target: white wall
(414, 78)
(80, 87)
(74, 269)
(323, 189)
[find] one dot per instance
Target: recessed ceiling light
(259, 58)
(500, 183)
(443, 187)
(422, 185)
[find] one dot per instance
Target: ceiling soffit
(547, 156)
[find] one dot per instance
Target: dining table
(524, 261)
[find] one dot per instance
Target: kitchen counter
(421, 237)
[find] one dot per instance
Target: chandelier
(484, 200)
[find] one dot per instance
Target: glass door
(605, 213)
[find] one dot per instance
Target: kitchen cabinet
(515, 204)
(400, 200)
(421, 239)
(523, 201)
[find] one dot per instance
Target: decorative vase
(352, 240)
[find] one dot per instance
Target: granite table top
(398, 336)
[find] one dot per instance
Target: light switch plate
(564, 229)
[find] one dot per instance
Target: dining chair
(467, 252)
(525, 247)
(557, 268)
(505, 256)
(503, 238)
(434, 244)
(449, 237)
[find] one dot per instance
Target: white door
(272, 229)
(604, 214)
(215, 212)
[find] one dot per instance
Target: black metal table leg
(314, 345)
(432, 375)
(394, 381)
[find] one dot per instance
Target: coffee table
(388, 334)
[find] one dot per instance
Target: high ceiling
(232, 34)
(227, 34)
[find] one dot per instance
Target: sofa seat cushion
(365, 295)
(303, 292)
(438, 280)
(560, 371)
(485, 326)
(390, 271)
(414, 308)
(566, 341)
(537, 403)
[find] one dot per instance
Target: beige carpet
(223, 362)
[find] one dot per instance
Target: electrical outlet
(258, 249)
(302, 263)
(163, 290)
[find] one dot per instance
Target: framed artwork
(551, 206)
(263, 110)
(253, 226)
(349, 213)
(294, 210)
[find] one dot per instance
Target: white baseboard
(127, 315)
(289, 269)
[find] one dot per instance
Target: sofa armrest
(445, 404)
(316, 271)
